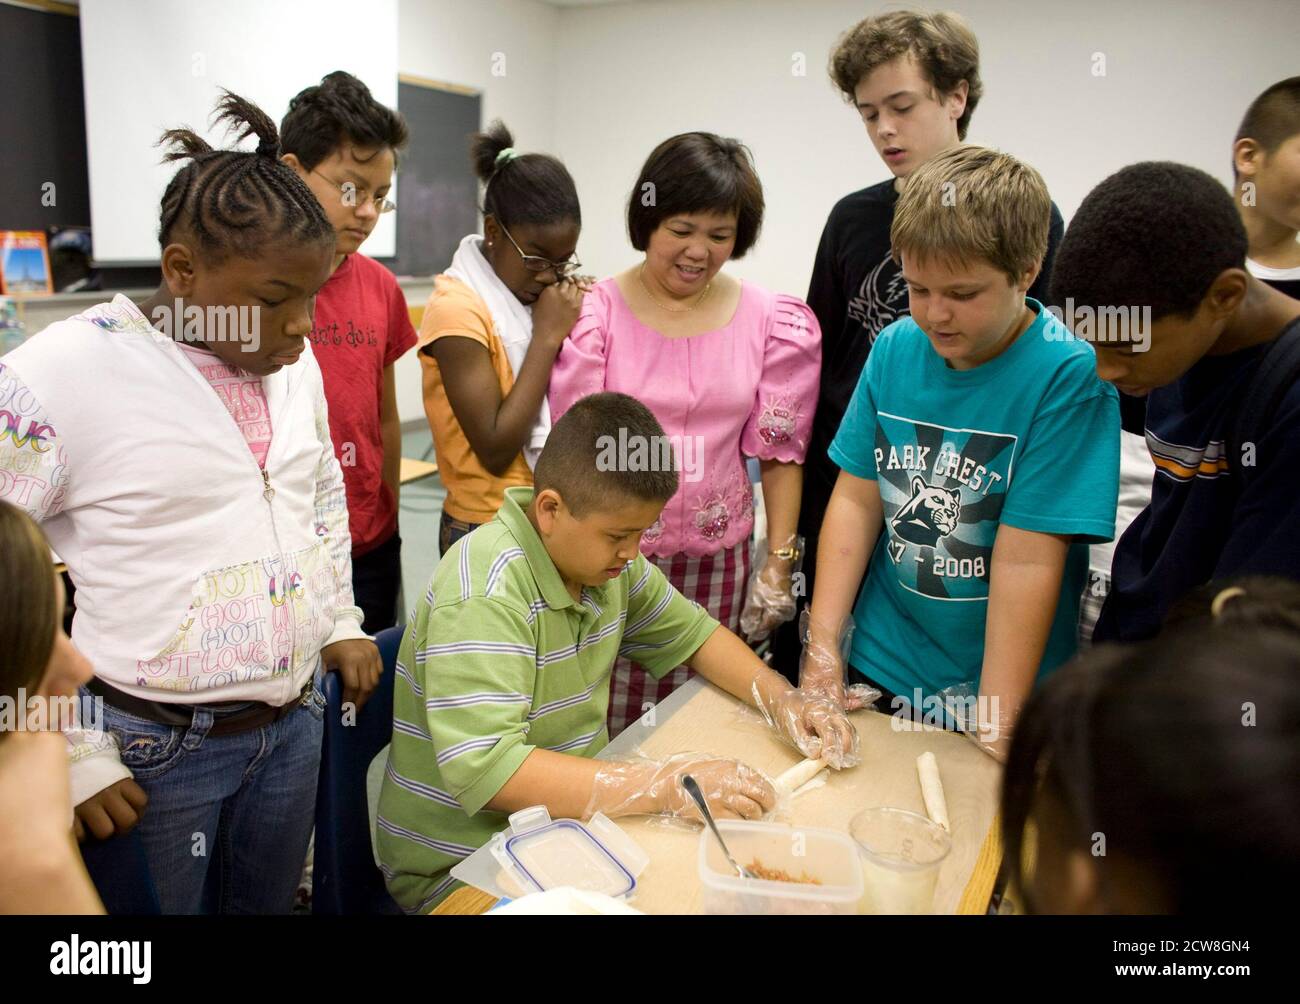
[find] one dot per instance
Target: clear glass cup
(901, 854)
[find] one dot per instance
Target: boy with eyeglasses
(344, 144)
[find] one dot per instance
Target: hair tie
(269, 148)
(504, 157)
(1216, 607)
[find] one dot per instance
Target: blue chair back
(120, 871)
(344, 877)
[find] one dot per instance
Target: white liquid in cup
(901, 854)
(893, 890)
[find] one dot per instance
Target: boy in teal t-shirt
(978, 456)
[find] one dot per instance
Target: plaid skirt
(717, 582)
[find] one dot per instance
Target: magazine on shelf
(24, 263)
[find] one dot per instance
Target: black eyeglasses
(536, 263)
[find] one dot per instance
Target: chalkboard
(42, 122)
(437, 193)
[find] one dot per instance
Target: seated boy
(1167, 238)
(504, 674)
(1266, 172)
(978, 455)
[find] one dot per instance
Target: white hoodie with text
(200, 577)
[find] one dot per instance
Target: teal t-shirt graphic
(1029, 439)
(942, 490)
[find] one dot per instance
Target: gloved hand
(979, 719)
(642, 786)
(824, 661)
(769, 600)
(817, 728)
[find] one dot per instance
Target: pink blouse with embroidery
(747, 389)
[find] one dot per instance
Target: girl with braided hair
(185, 473)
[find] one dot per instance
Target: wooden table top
(714, 723)
(414, 470)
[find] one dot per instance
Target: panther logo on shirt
(931, 513)
(881, 300)
(941, 493)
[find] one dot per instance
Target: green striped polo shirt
(499, 660)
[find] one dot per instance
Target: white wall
(195, 49)
(455, 42)
(1179, 76)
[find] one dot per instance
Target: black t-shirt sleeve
(1041, 290)
(826, 288)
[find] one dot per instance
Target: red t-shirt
(361, 327)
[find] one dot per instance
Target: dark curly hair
(942, 44)
(697, 172)
(232, 202)
(338, 110)
(1153, 234)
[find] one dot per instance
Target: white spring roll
(798, 775)
(927, 768)
(816, 782)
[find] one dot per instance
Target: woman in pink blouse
(729, 369)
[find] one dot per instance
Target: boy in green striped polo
(504, 673)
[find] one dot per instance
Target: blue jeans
(229, 818)
(450, 530)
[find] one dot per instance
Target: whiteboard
(150, 65)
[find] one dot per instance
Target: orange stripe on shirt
(1219, 466)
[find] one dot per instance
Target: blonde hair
(942, 44)
(972, 203)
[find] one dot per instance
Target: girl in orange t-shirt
(493, 328)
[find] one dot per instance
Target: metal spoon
(697, 796)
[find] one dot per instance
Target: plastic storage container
(541, 854)
(826, 855)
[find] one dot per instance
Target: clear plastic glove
(732, 789)
(817, 728)
(769, 600)
(978, 718)
(823, 664)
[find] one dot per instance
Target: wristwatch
(787, 553)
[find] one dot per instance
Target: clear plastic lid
(546, 854)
